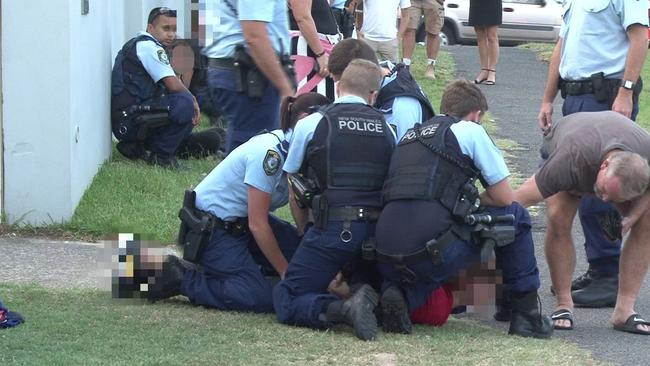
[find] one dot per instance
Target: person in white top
(379, 26)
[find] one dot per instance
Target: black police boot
(357, 311)
(200, 144)
(504, 307)
(168, 283)
(131, 150)
(395, 312)
(581, 281)
(600, 293)
(526, 320)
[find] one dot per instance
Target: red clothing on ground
(437, 308)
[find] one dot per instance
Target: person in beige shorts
(434, 18)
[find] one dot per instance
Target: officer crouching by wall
(227, 227)
(424, 236)
(151, 109)
(344, 150)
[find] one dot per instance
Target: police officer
(247, 242)
(596, 64)
(143, 81)
(423, 235)
(400, 98)
(345, 150)
(246, 79)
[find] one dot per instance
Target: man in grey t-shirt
(603, 154)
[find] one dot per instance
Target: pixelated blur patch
(131, 264)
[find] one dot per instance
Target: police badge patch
(162, 56)
(271, 162)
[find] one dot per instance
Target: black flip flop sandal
(562, 314)
(631, 323)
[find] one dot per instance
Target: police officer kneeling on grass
(344, 150)
(227, 228)
(424, 233)
(151, 109)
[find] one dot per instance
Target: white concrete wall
(36, 111)
(56, 67)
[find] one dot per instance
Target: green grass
(87, 327)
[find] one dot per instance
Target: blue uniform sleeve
(475, 143)
(263, 169)
(302, 134)
(632, 12)
(406, 113)
(154, 59)
(257, 10)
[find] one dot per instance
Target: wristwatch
(627, 84)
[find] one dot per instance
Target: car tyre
(447, 36)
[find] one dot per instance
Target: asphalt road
(514, 103)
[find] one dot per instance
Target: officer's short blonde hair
(361, 78)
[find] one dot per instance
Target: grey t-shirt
(577, 145)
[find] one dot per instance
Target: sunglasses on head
(156, 12)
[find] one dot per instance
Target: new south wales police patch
(271, 162)
(162, 56)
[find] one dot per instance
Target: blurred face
(607, 188)
(163, 29)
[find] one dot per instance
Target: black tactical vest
(130, 81)
(349, 152)
(404, 85)
(428, 165)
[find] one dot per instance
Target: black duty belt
(433, 250)
(585, 86)
(353, 213)
(222, 63)
(238, 227)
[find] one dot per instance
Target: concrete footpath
(514, 103)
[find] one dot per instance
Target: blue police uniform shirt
(338, 4)
(475, 143)
(594, 36)
(304, 132)
(405, 114)
(228, 32)
(153, 58)
(257, 163)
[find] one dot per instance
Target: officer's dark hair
(157, 12)
(292, 107)
(346, 51)
(461, 98)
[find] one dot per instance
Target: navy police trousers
(246, 116)
(602, 253)
(232, 270)
(302, 296)
(163, 141)
(516, 261)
